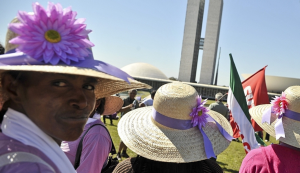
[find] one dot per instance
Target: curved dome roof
(277, 83)
(144, 70)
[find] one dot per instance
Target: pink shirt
(272, 159)
(8, 145)
(95, 149)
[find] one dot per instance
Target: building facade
(210, 48)
(191, 40)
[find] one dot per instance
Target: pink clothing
(95, 149)
(272, 159)
(8, 145)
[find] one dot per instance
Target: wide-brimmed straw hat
(281, 118)
(53, 41)
(112, 105)
(164, 132)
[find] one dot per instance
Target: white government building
(154, 77)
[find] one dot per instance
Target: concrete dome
(277, 83)
(144, 70)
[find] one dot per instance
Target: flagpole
(216, 78)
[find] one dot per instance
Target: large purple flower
(199, 113)
(52, 35)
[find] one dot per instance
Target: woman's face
(58, 104)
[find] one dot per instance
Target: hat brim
(154, 141)
(112, 105)
(291, 127)
(107, 84)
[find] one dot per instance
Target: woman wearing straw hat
(281, 119)
(177, 134)
(95, 140)
(51, 80)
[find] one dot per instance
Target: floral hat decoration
(53, 40)
(281, 118)
(178, 128)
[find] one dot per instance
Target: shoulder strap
(79, 148)
(17, 157)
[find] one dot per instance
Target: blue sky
(256, 32)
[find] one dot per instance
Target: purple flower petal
(54, 60)
(48, 54)
(65, 32)
(43, 26)
(40, 11)
(38, 29)
(55, 25)
(49, 24)
(49, 46)
(53, 13)
(80, 21)
(44, 45)
(73, 58)
(61, 28)
(16, 27)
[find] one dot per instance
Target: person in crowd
(218, 106)
(130, 103)
(281, 119)
(96, 143)
(148, 101)
(109, 117)
(176, 135)
(51, 81)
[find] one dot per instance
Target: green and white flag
(239, 109)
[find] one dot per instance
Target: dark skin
(58, 104)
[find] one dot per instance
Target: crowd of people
(53, 94)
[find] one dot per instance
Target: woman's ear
(98, 102)
(10, 86)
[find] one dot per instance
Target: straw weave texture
(112, 105)
(176, 95)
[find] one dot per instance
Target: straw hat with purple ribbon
(177, 128)
(52, 40)
(281, 118)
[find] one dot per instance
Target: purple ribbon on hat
(279, 130)
(187, 124)
(19, 58)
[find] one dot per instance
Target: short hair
(153, 93)
(132, 90)
(219, 96)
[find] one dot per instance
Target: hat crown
(175, 100)
(293, 98)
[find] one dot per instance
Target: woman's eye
(89, 87)
(60, 84)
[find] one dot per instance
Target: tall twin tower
(191, 41)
